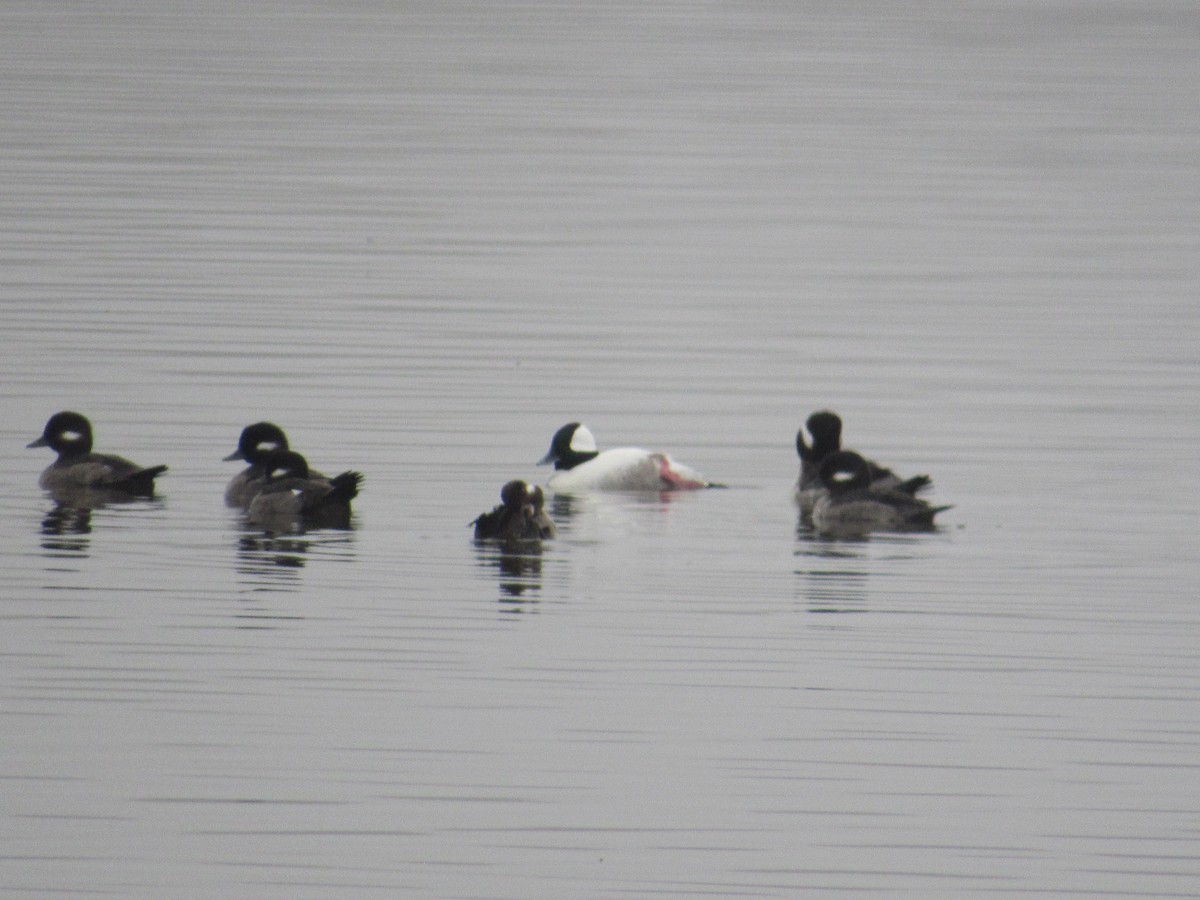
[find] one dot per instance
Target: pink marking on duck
(673, 479)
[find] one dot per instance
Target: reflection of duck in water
(292, 498)
(277, 560)
(825, 429)
(834, 575)
(520, 568)
(67, 530)
(519, 517)
(81, 478)
(850, 504)
(581, 467)
(67, 520)
(264, 554)
(255, 445)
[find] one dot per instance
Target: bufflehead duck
(291, 496)
(581, 467)
(825, 428)
(77, 468)
(850, 505)
(519, 517)
(256, 444)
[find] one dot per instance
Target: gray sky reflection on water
(422, 240)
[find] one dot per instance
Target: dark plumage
(519, 517)
(255, 445)
(292, 497)
(825, 428)
(77, 468)
(850, 504)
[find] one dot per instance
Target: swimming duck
(519, 517)
(581, 467)
(850, 505)
(256, 443)
(77, 468)
(291, 496)
(825, 428)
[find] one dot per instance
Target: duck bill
(40, 442)
(236, 454)
(544, 461)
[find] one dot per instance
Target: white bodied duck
(580, 467)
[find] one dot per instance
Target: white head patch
(582, 440)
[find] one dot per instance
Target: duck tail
(140, 482)
(345, 486)
(924, 518)
(916, 484)
(485, 523)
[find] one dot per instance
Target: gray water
(421, 238)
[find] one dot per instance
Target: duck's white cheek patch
(268, 447)
(72, 436)
(582, 440)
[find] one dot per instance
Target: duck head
(825, 427)
(67, 433)
(571, 445)
(258, 442)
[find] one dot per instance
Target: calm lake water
(421, 237)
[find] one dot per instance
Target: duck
(851, 505)
(78, 469)
(825, 430)
(580, 467)
(256, 443)
(519, 517)
(293, 497)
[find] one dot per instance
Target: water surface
(422, 239)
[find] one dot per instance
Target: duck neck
(569, 458)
